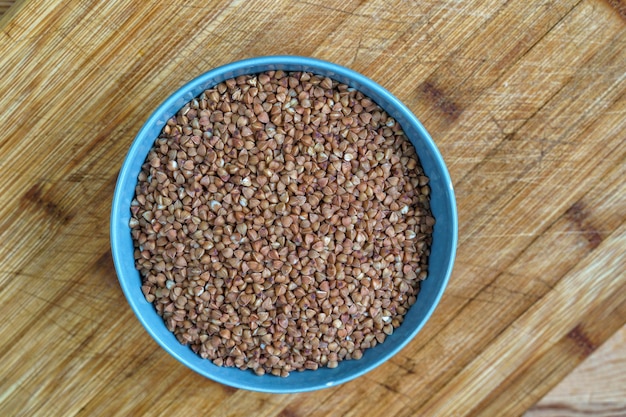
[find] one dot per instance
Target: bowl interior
(442, 251)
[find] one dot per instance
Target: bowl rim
(279, 62)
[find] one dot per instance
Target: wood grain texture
(526, 101)
(4, 7)
(597, 387)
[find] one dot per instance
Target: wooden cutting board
(526, 101)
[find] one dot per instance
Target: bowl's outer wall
(442, 253)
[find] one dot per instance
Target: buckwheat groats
(281, 222)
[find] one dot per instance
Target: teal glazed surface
(443, 206)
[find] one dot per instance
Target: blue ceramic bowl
(443, 248)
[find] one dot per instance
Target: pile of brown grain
(281, 222)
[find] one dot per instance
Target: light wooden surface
(526, 101)
(597, 387)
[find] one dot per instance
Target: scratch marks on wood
(356, 52)
(55, 303)
(76, 177)
(578, 215)
(327, 8)
(582, 340)
(350, 12)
